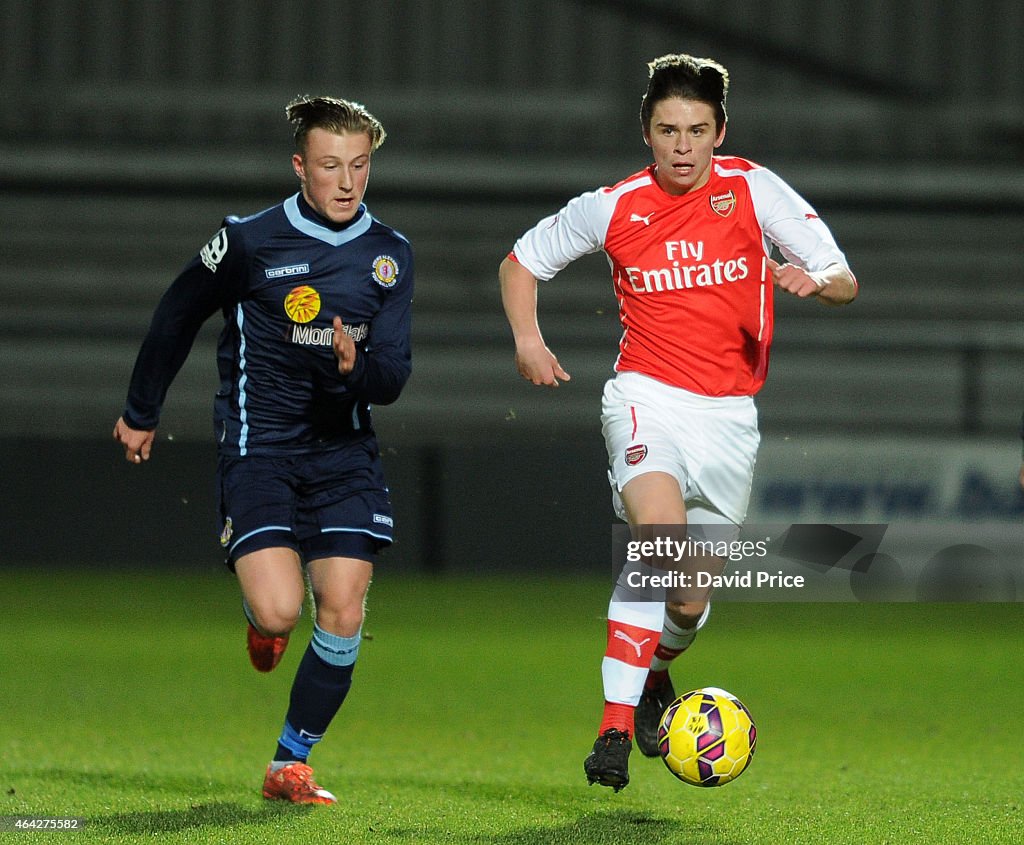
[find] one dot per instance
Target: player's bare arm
(834, 285)
(137, 444)
(344, 347)
(534, 361)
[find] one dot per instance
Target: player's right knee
(275, 619)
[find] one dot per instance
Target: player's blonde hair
(688, 78)
(335, 115)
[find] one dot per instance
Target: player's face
(683, 139)
(333, 171)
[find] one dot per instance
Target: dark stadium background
(130, 128)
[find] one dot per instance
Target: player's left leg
(342, 519)
(718, 445)
(683, 619)
(324, 676)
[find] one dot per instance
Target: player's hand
(137, 444)
(537, 364)
(794, 280)
(344, 348)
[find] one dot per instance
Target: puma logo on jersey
(622, 635)
(638, 218)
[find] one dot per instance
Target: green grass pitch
(127, 700)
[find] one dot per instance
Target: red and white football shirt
(690, 272)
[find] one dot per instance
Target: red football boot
(295, 783)
(265, 652)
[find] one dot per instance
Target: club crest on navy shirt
(385, 270)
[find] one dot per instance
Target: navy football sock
(321, 684)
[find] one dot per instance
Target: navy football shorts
(326, 504)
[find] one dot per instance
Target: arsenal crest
(723, 204)
(635, 454)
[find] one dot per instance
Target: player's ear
(299, 166)
(721, 137)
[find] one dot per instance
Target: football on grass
(707, 737)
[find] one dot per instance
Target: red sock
(627, 657)
(618, 716)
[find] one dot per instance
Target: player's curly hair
(334, 115)
(689, 78)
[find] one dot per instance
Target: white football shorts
(709, 443)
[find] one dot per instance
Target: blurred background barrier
(131, 128)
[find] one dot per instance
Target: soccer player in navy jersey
(316, 297)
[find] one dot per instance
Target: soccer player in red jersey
(689, 242)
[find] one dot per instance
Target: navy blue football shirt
(280, 277)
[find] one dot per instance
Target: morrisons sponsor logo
(307, 335)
